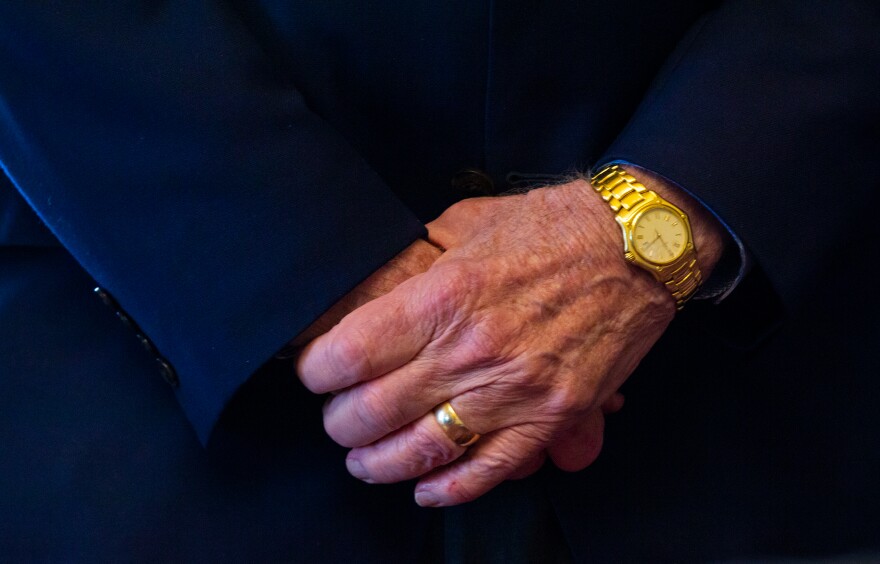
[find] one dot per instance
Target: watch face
(659, 235)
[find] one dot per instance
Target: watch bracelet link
(621, 190)
(685, 280)
(618, 188)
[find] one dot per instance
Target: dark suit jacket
(226, 171)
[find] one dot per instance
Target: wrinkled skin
(528, 323)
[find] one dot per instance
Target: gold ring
(451, 424)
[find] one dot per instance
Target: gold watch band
(624, 193)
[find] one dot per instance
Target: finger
(486, 398)
(580, 445)
(493, 459)
(457, 224)
(365, 413)
(405, 454)
(613, 404)
(413, 450)
(422, 446)
(372, 340)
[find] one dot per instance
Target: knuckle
(347, 355)
(563, 393)
(372, 413)
(451, 298)
(465, 209)
(537, 374)
(542, 363)
(427, 450)
(456, 280)
(498, 463)
(414, 454)
(375, 411)
(567, 401)
(490, 340)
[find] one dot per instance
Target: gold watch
(656, 234)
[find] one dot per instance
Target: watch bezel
(629, 218)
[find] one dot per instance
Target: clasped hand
(528, 323)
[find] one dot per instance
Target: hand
(575, 449)
(528, 322)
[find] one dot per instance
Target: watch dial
(659, 235)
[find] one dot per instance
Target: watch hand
(646, 248)
(663, 242)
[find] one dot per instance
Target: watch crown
(629, 256)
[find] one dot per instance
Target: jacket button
(106, 298)
(125, 319)
(147, 344)
(165, 369)
(168, 373)
(473, 182)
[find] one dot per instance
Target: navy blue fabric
(19, 225)
(791, 101)
(100, 464)
(189, 181)
(227, 170)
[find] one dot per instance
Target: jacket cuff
(221, 212)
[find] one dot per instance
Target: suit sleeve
(159, 145)
(769, 113)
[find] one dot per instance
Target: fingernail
(427, 499)
(356, 469)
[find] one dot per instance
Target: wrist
(710, 237)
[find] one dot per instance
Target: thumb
(579, 446)
(459, 223)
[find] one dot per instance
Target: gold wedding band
(451, 424)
